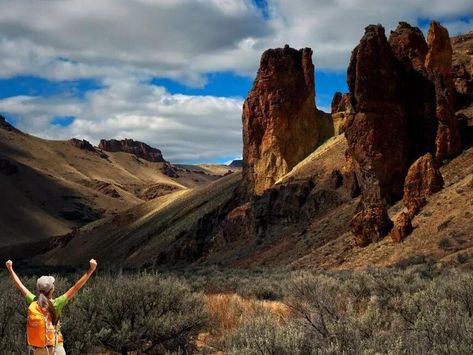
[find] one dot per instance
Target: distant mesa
(139, 149)
(237, 163)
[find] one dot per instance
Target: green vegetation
(415, 309)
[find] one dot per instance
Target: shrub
(264, 334)
(147, 314)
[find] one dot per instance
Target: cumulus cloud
(184, 39)
(185, 128)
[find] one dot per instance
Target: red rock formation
(280, 125)
(422, 180)
(403, 101)
(376, 133)
(139, 149)
(82, 144)
(438, 63)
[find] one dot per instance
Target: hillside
(50, 187)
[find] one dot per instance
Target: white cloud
(184, 39)
(197, 128)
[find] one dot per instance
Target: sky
(174, 73)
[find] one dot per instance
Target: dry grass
(229, 311)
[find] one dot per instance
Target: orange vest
(40, 331)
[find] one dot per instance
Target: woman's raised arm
(79, 284)
(19, 285)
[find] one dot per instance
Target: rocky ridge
(139, 149)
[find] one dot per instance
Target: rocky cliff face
(139, 149)
(280, 125)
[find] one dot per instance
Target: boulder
(279, 111)
(422, 180)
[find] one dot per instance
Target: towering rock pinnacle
(376, 133)
(279, 118)
(438, 63)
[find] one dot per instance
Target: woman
(44, 311)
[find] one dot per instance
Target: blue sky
(164, 78)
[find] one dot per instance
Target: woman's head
(45, 287)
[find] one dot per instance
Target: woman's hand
(93, 265)
(79, 284)
(9, 265)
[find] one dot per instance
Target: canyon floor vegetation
(408, 309)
